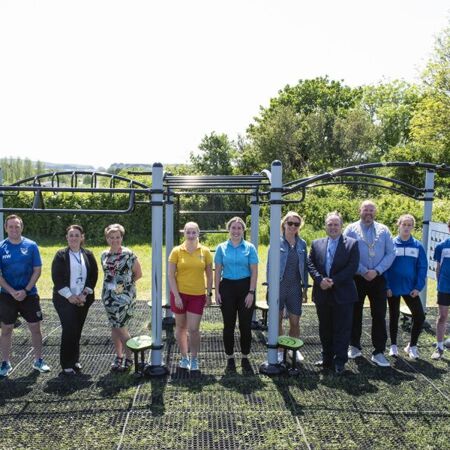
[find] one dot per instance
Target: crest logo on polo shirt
(24, 250)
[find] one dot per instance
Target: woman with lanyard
(122, 269)
(189, 264)
(406, 278)
(293, 275)
(74, 275)
(236, 273)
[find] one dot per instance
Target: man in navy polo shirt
(20, 268)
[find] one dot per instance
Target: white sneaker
(393, 351)
(298, 355)
(280, 357)
(412, 351)
(354, 352)
(380, 360)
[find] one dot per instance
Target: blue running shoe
(41, 365)
(5, 369)
(194, 364)
(184, 363)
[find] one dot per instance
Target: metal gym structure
(264, 188)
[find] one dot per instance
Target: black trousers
(418, 317)
(233, 293)
(72, 319)
(376, 291)
(335, 327)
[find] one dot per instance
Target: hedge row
(51, 227)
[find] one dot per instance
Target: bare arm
(217, 275)
(250, 298)
(173, 285)
(209, 282)
(137, 270)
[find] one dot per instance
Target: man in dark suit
(332, 263)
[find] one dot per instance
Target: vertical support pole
(254, 235)
(2, 236)
(427, 216)
(168, 319)
(270, 367)
(156, 368)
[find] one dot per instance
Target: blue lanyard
(77, 259)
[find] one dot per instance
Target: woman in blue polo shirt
(236, 273)
(442, 258)
(406, 278)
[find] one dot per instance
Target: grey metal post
(156, 368)
(169, 246)
(270, 367)
(2, 236)
(254, 232)
(427, 216)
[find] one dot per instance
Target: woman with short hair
(122, 269)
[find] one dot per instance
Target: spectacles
(293, 224)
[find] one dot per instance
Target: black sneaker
(231, 365)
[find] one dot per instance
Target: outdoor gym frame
(165, 187)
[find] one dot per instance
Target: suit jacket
(61, 271)
(343, 269)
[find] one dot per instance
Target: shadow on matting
(405, 406)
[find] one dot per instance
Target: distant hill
(60, 167)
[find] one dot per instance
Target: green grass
(143, 251)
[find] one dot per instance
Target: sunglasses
(293, 224)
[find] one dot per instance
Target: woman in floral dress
(122, 269)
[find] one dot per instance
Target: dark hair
(76, 227)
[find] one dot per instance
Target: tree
(216, 154)
(308, 128)
(430, 124)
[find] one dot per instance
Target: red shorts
(191, 303)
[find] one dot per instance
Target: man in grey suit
(332, 263)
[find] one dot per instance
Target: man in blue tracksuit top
(406, 278)
(442, 258)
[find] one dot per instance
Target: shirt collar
(183, 246)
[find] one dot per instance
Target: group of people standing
(74, 276)
(346, 266)
(365, 261)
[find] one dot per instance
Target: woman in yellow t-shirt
(188, 265)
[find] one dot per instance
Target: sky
(97, 82)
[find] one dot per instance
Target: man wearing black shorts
(20, 268)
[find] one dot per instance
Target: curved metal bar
(353, 183)
(52, 175)
(35, 208)
(299, 184)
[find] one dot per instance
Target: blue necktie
(330, 255)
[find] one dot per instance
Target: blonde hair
(404, 217)
(291, 214)
(191, 225)
(238, 220)
(113, 228)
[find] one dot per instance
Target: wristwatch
(26, 291)
(251, 292)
